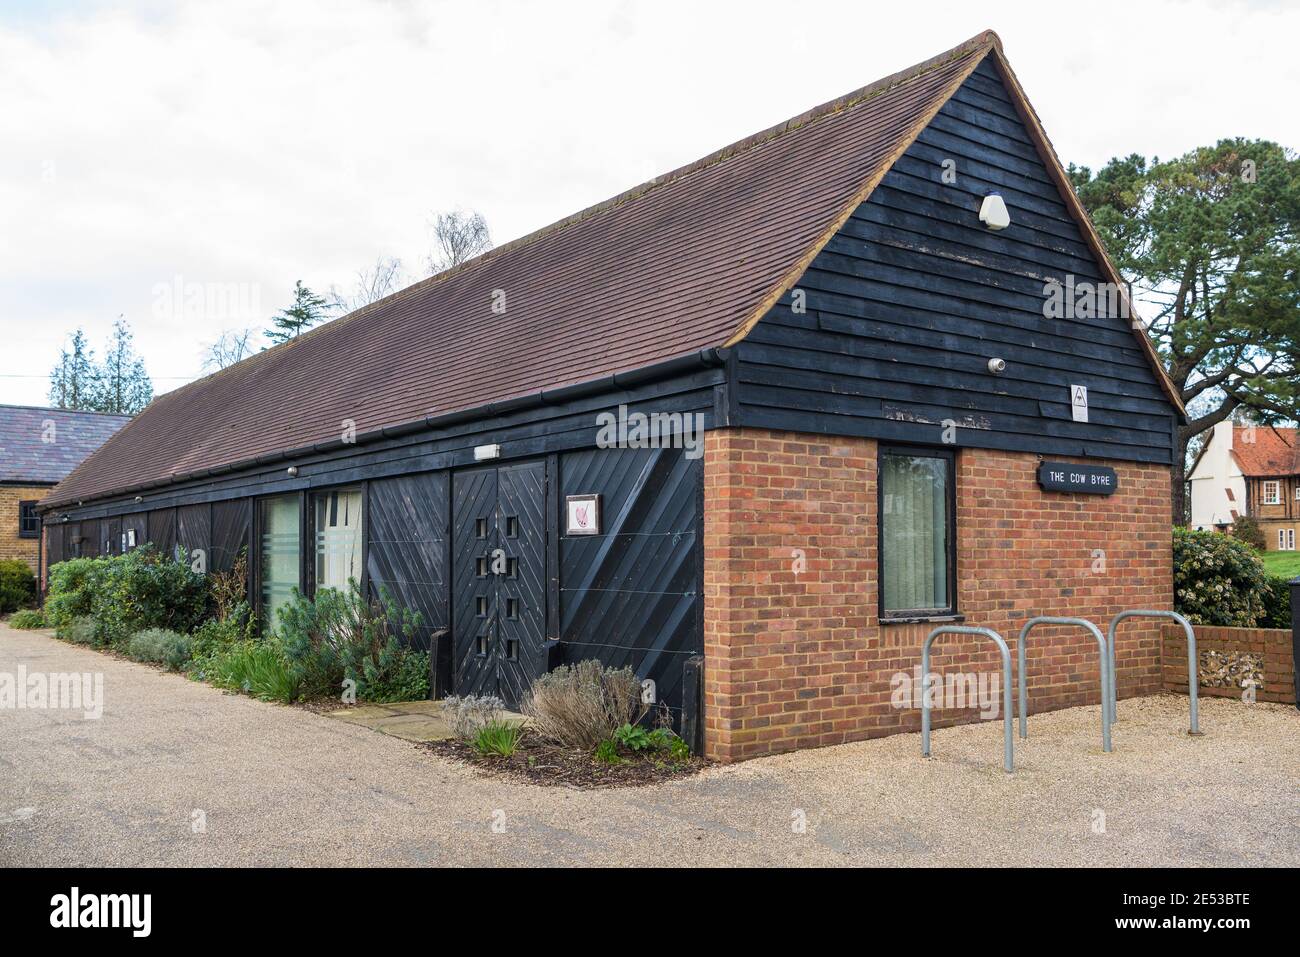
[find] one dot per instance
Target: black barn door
(499, 579)
(521, 591)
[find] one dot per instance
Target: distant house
(38, 448)
(1249, 470)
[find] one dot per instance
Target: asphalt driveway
(179, 773)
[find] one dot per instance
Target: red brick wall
(797, 658)
(1271, 646)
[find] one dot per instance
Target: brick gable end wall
(794, 653)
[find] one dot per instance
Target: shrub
(17, 585)
(1276, 596)
(72, 587)
(340, 636)
(257, 668)
(1217, 579)
(1246, 529)
(217, 634)
(400, 674)
(580, 706)
(470, 714)
(498, 737)
(161, 646)
(143, 589)
(26, 620)
(127, 593)
(634, 738)
(80, 631)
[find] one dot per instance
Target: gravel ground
(278, 785)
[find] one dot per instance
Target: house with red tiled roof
(1249, 470)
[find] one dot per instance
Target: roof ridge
(53, 408)
(986, 38)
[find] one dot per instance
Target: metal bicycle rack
(1006, 686)
(1104, 665)
(1193, 672)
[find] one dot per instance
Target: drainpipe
(1295, 638)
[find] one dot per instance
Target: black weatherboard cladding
(909, 301)
(221, 529)
(231, 524)
(631, 595)
(406, 553)
(162, 529)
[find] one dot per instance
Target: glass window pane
(281, 545)
(338, 538)
(914, 563)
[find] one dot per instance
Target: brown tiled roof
(685, 262)
(1274, 452)
(42, 446)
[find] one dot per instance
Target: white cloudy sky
(262, 142)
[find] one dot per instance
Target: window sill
(918, 619)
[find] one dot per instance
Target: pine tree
(307, 310)
(123, 386)
(74, 379)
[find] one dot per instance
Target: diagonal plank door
(521, 591)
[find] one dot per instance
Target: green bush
(26, 620)
(216, 634)
(160, 646)
(1246, 529)
(126, 594)
(401, 674)
(339, 636)
(1218, 580)
(72, 586)
(144, 589)
(635, 738)
(17, 585)
(80, 631)
(254, 667)
(1276, 595)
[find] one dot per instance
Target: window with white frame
(1272, 493)
(1286, 539)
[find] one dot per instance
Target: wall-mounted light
(997, 366)
(483, 452)
(993, 212)
(292, 470)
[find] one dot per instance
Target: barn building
(781, 409)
